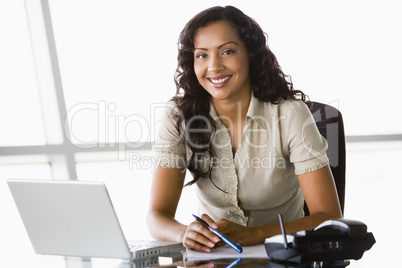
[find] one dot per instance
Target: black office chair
(330, 124)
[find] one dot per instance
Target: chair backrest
(330, 124)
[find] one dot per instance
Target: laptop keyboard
(136, 247)
(147, 248)
(143, 245)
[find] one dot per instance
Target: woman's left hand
(245, 236)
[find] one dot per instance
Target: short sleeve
(307, 147)
(169, 148)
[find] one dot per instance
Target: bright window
(118, 58)
(20, 111)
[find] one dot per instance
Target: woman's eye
(201, 56)
(228, 52)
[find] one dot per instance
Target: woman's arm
(166, 190)
(320, 194)
(321, 197)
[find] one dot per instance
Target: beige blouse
(279, 141)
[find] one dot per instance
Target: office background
(82, 84)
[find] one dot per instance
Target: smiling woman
(231, 93)
(116, 63)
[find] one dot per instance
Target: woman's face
(221, 62)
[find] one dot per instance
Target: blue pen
(225, 239)
(234, 263)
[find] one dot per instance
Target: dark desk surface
(31, 260)
(177, 260)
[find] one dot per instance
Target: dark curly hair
(268, 82)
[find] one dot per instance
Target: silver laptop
(76, 218)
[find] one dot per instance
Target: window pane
(117, 58)
(20, 112)
(346, 54)
(372, 182)
(114, 70)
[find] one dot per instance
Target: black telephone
(333, 240)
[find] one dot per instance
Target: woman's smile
(219, 81)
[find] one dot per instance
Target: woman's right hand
(198, 237)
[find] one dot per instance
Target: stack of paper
(227, 252)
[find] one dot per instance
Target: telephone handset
(356, 230)
(333, 240)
